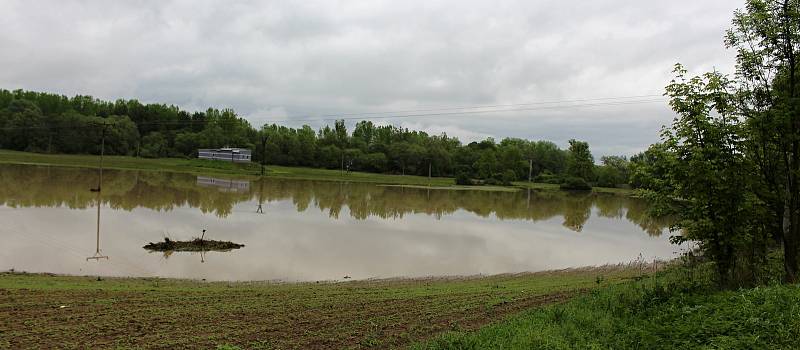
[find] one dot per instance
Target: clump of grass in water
(195, 245)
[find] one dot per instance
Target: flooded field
(296, 230)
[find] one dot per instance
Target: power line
(470, 112)
(439, 112)
(492, 106)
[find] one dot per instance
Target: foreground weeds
(664, 311)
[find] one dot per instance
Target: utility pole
(97, 255)
(263, 154)
(530, 169)
(429, 172)
(102, 154)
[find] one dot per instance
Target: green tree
(154, 145)
(620, 165)
(187, 143)
(648, 169)
(580, 162)
(26, 125)
(710, 183)
(766, 37)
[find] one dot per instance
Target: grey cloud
(293, 60)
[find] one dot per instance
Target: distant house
(237, 155)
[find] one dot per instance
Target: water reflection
(97, 254)
(54, 187)
(308, 230)
(226, 185)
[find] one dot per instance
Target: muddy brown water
(297, 230)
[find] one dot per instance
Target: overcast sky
(301, 60)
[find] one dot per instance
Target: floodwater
(296, 230)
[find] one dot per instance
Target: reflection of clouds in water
(284, 244)
(310, 230)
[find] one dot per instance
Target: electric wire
(491, 106)
(442, 112)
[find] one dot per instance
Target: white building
(237, 155)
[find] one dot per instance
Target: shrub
(462, 178)
(493, 181)
(548, 178)
(575, 184)
(508, 177)
(608, 177)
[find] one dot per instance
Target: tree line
(46, 122)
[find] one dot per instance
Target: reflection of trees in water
(578, 210)
(27, 186)
(24, 186)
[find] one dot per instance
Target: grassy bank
(554, 187)
(42, 311)
(669, 310)
(211, 168)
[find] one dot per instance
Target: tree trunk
(790, 260)
(791, 233)
(793, 166)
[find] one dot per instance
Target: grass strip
(46, 311)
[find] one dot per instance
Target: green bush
(608, 177)
(494, 181)
(508, 177)
(575, 184)
(462, 178)
(548, 178)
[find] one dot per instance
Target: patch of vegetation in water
(195, 245)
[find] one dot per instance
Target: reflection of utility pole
(97, 255)
(529, 198)
(260, 210)
(102, 153)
